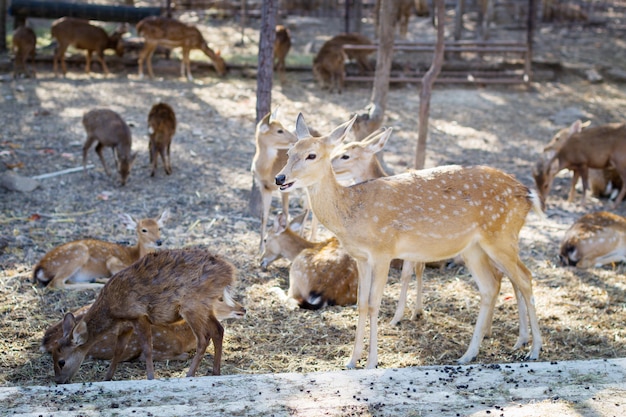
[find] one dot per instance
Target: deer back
(161, 124)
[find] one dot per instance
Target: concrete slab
(577, 388)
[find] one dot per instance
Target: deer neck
(330, 201)
(374, 170)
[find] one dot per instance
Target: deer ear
(377, 140)
(302, 130)
(165, 216)
(80, 334)
(69, 321)
(297, 222)
(280, 223)
(274, 115)
(576, 127)
(337, 135)
(128, 221)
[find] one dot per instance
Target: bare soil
(581, 312)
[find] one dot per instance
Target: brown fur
(162, 126)
(107, 128)
(161, 288)
(80, 34)
(171, 33)
(282, 44)
(24, 43)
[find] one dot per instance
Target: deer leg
(88, 61)
(482, 271)
(105, 69)
(405, 278)
(165, 155)
(266, 200)
(198, 324)
(153, 158)
(584, 175)
(99, 149)
(144, 333)
(123, 337)
(186, 64)
(572, 190)
(365, 284)
(622, 192)
(380, 273)
(216, 332)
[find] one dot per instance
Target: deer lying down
(601, 147)
(594, 240)
(321, 273)
(78, 264)
(420, 216)
(161, 288)
(169, 342)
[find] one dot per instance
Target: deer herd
(160, 304)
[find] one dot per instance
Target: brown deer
(169, 341)
(420, 216)
(161, 127)
(171, 33)
(282, 44)
(78, 264)
(321, 273)
(403, 11)
(594, 240)
(600, 147)
(108, 129)
(272, 141)
(24, 43)
(70, 31)
(161, 288)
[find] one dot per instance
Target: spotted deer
(106, 128)
(601, 147)
(23, 44)
(169, 341)
(594, 240)
(78, 264)
(321, 273)
(161, 128)
(420, 216)
(70, 31)
(161, 288)
(171, 33)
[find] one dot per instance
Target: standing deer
(282, 44)
(321, 273)
(171, 33)
(272, 141)
(161, 127)
(420, 216)
(595, 239)
(77, 264)
(80, 34)
(24, 43)
(107, 128)
(161, 288)
(169, 341)
(601, 147)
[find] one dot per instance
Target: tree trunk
(265, 74)
(3, 26)
(427, 85)
(371, 118)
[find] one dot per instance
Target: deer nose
(159, 242)
(280, 179)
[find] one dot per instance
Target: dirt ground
(581, 312)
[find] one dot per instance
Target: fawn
(171, 33)
(78, 264)
(600, 147)
(161, 288)
(321, 273)
(420, 216)
(107, 128)
(595, 239)
(24, 43)
(70, 31)
(272, 141)
(161, 127)
(169, 341)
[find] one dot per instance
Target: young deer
(107, 128)
(420, 216)
(272, 141)
(77, 264)
(321, 273)
(161, 288)
(80, 34)
(595, 239)
(161, 127)
(282, 44)
(171, 33)
(357, 162)
(169, 341)
(23, 44)
(599, 147)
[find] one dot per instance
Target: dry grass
(581, 313)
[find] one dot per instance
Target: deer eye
(345, 157)
(280, 131)
(144, 230)
(61, 363)
(311, 157)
